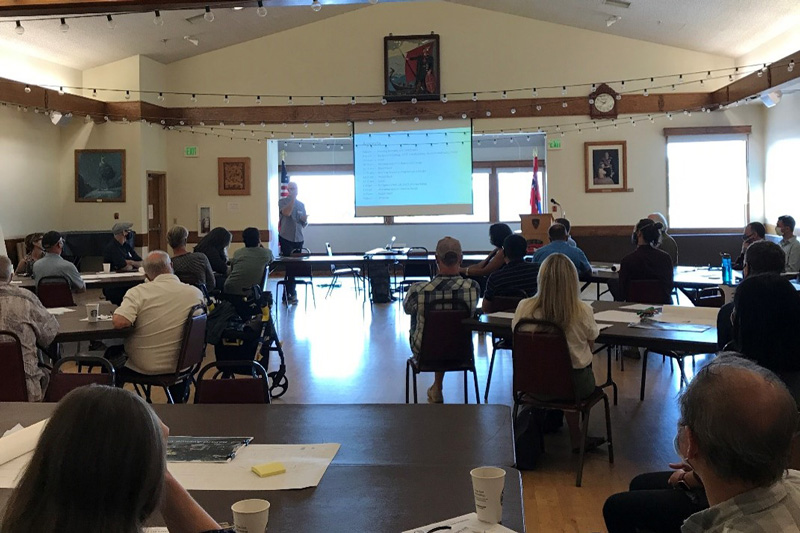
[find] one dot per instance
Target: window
(329, 198)
(705, 171)
(514, 193)
(480, 205)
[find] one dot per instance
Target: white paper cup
(92, 312)
(487, 486)
(250, 516)
(106, 267)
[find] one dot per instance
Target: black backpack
(379, 283)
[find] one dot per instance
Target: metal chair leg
(466, 390)
(408, 367)
(608, 431)
(415, 385)
(170, 400)
(475, 379)
(644, 374)
(489, 377)
(584, 433)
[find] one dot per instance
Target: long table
(399, 466)
(99, 280)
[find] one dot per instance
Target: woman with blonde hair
(558, 301)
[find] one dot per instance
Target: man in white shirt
(157, 311)
(785, 228)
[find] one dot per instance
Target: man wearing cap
(119, 251)
(447, 285)
(52, 264)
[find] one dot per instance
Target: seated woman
(558, 301)
(100, 465)
(493, 261)
(646, 263)
(190, 267)
(215, 247)
(33, 252)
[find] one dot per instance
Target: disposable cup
(106, 267)
(250, 516)
(487, 486)
(92, 312)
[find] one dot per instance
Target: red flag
(284, 180)
(536, 198)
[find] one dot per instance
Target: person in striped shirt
(515, 278)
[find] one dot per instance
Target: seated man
(52, 264)
(753, 232)
(23, 313)
(190, 267)
(761, 257)
(157, 311)
(789, 243)
(667, 243)
(248, 264)
(737, 422)
(515, 276)
(558, 245)
(448, 284)
(566, 223)
(119, 252)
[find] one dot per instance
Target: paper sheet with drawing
(467, 523)
(305, 465)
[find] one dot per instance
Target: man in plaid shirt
(448, 285)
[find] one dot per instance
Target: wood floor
(346, 351)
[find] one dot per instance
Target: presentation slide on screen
(413, 168)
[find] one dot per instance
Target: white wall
(15, 65)
(782, 140)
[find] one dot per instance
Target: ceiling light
(209, 16)
(624, 4)
(316, 6)
(19, 29)
(158, 21)
(261, 10)
(613, 19)
(111, 23)
(64, 27)
(194, 40)
(238, 8)
(373, 2)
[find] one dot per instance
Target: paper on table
(616, 316)
(59, 310)
(501, 314)
(467, 523)
(16, 282)
(601, 327)
(639, 307)
(676, 314)
(100, 318)
(16, 449)
(305, 465)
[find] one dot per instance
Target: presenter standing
(293, 219)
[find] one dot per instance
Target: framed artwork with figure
(411, 67)
(606, 166)
(99, 175)
(234, 176)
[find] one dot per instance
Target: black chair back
(541, 361)
(12, 378)
(61, 383)
(222, 389)
(54, 291)
(446, 341)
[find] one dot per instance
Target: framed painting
(606, 166)
(234, 176)
(203, 220)
(99, 175)
(411, 67)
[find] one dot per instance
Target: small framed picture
(203, 220)
(99, 175)
(606, 166)
(234, 176)
(411, 67)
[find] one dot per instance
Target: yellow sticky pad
(269, 469)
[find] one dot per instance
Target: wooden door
(157, 211)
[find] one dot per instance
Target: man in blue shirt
(559, 245)
(52, 264)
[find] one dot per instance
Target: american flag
(284, 180)
(536, 198)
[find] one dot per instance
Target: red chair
(647, 291)
(446, 344)
(543, 369)
(192, 352)
(501, 303)
(12, 378)
(54, 291)
(254, 389)
(61, 383)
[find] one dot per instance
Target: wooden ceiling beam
(775, 75)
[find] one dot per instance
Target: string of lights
(625, 88)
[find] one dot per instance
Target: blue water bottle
(727, 269)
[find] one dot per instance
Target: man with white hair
(668, 244)
(157, 311)
(21, 312)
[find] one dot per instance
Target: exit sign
(554, 144)
(190, 151)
